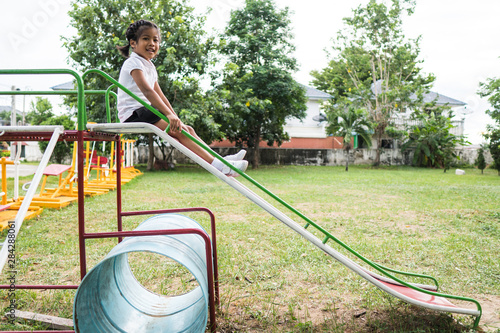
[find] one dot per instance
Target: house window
(361, 142)
(387, 143)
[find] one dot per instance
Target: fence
(325, 157)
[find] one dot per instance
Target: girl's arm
(156, 100)
(162, 96)
(166, 101)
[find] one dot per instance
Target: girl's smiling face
(148, 44)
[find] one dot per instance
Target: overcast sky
(460, 43)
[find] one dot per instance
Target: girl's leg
(162, 124)
(236, 157)
(191, 145)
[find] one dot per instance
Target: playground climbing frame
(80, 136)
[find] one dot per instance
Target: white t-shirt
(127, 104)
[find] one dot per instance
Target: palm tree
(433, 143)
(346, 120)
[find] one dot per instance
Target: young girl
(139, 75)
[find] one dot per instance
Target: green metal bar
(79, 85)
(108, 108)
(309, 221)
(120, 86)
(107, 93)
(411, 274)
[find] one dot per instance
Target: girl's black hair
(134, 32)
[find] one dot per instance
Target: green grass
(272, 280)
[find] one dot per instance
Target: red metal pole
(118, 165)
(81, 204)
(29, 286)
(38, 331)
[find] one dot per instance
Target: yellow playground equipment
(9, 207)
(104, 181)
(128, 160)
(106, 168)
(66, 191)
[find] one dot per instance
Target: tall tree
(375, 64)
(258, 43)
(347, 121)
(491, 89)
(186, 53)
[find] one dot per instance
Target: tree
(40, 110)
(186, 53)
(41, 114)
(433, 143)
(5, 116)
(258, 46)
(494, 138)
(346, 120)
(480, 160)
(375, 64)
(491, 89)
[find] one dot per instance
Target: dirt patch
(395, 318)
(490, 321)
(316, 309)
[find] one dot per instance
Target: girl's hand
(175, 123)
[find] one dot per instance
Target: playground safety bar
(82, 115)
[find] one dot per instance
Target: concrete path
(24, 170)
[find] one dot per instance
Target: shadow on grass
(399, 318)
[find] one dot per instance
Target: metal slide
(21, 213)
(418, 294)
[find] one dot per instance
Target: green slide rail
(82, 121)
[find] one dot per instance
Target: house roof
(442, 99)
(313, 93)
(428, 98)
(70, 85)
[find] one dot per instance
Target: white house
(311, 131)
(308, 133)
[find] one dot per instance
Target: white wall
(307, 127)
(32, 152)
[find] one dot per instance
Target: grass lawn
(271, 279)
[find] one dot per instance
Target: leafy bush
(432, 140)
